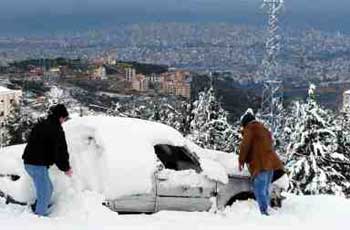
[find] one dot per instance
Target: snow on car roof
(119, 150)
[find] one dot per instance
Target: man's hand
(240, 167)
(69, 172)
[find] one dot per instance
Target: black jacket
(47, 145)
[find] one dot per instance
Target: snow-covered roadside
(85, 212)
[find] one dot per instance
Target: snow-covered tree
(209, 127)
(283, 138)
(313, 164)
(17, 127)
(116, 110)
(158, 110)
(146, 111)
(343, 133)
(61, 95)
(236, 137)
(343, 139)
(185, 109)
(168, 115)
(54, 96)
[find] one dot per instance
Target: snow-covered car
(138, 166)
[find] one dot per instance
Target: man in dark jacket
(257, 151)
(46, 146)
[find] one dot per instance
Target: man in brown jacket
(256, 150)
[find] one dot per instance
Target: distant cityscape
(306, 55)
(234, 51)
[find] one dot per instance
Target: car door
(175, 192)
(135, 203)
(179, 184)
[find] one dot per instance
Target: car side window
(176, 158)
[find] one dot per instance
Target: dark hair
(248, 117)
(57, 111)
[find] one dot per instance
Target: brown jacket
(256, 149)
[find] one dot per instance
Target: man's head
(247, 117)
(59, 112)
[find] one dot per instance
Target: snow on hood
(217, 165)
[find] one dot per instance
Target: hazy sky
(40, 15)
(97, 6)
(68, 6)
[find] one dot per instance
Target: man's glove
(69, 172)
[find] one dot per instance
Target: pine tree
(343, 143)
(291, 116)
(343, 133)
(185, 109)
(54, 96)
(158, 110)
(236, 136)
(314, 165)
(17, 128)
(116, 110)
(168, 115)
(209, 127)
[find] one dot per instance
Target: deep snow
(84, 212)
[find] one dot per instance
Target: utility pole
(272, 94)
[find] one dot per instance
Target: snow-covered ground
(85, 212)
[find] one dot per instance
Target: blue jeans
(43, 187)
(261, 188)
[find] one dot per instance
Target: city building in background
(8, 98)
(98, 73)
(177, 83)
(130, 74)
(140, 83)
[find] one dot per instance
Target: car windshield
(176, 158)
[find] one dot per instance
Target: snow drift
(85, 212)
